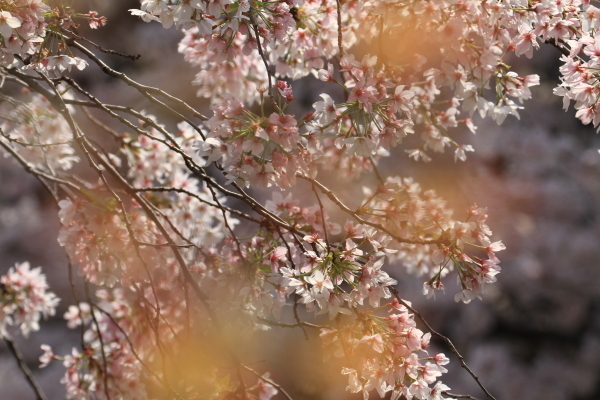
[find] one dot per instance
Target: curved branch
(144, 89)
(459, 396)
(297, 325)
(448, 342)
(14, 350)
(363, 221)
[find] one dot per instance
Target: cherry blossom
(25, 299)
(153, 223)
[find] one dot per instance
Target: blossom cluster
(153, 164)
(464, 246)
(39, 134)
(579, 76)
(107, 352)
(374, 343)
(31, 35)
(469, 57)
(22, 29)
(254, 149)
(24, 299)
(295, 36)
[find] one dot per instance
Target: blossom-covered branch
(170, 229)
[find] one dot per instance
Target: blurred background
(536, 335)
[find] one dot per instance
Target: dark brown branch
(14, 350)
(229, 228)
(559, 46)
(187, 192)
(297, 318)
(103, 50)
(192, 166)
(459, 396)
(264, 59)
(145, 90)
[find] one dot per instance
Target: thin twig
(145, 90)
(103, 50)
(101, 340)
(187, 192)
(37, 173)
(376, 170)
(322, 217)
(339, 32)
(14, 350)
(459, 396)
(134, 352)
(363, 221)
(298, 322)
(171, 143)
(264, 59)
(445, 339)
(269, 381)
(283, 325)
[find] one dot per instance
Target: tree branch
(363, 221)
(16, 353)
